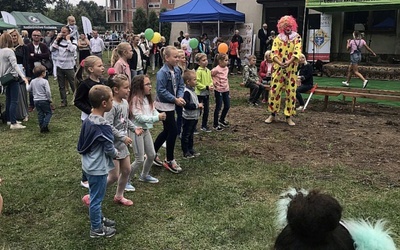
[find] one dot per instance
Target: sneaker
(17, 126)
(270, 119)
(86, 200)
(188, 156)
(85, 184)
(345, 83)
(148, 179)
(108, 222)
(290, 121)
(123, 201)
(172, 166)
(104, 231)
(129, 187)
(164, 145)
(255, 104)
(205, 129)
(239, 72)
(44, 129)
(195, 154)
(218, 128)
(224, 124)
(157, 161)
(9, 123)
(365, 83)
(196, 132)
(300, 108)
(264, 101)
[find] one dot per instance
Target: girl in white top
(143, 114)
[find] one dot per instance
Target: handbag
(47, 63)
(6, 79)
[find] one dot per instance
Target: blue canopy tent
(202, 11)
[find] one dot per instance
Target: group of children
(120, 113)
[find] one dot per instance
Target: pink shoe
(86, 200)
(264, 101)
(123, 201)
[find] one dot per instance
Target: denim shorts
(355, 58)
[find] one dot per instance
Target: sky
(99, 2)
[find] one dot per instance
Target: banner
(87, 26)
(319, 40)
(246, 32)
(8, 18)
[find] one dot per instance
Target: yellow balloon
(156, 37)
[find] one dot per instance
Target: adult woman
(234, 55)
(8, 64)
(83, 46)
(354, 46)
(22, 54)
(136, 63)
(305, 80)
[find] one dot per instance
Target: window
(154, 5)
(116, 4)
(171, 1)
(117, 16)
(133, 3)
(384, 20)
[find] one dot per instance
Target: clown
(286, 50)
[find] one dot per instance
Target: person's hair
(252, 57)
(177, 45)
(302, 55)
(187, 74)
(38, 70)
(314, 224)
(97, 94)
(167, 50)
(116, 81)
(234, 39)
(89, 62)
(200, 56)
(286, 21)
(356, 34)
(67, 28)
(24, 33)
(6, 40)
(267, 54)
(137, 94)
(118, 52)
(20, 40)
(218, 58)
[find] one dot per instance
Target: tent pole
(218, 28)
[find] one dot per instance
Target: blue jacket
(96, 146)
(165, 88)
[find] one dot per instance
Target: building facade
(119, 13)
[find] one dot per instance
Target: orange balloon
(223, 48)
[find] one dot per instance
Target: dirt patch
(367, 139)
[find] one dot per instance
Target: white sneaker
(345, 83)
(85, 184)
(9, 123)
(164, 145)
(17, 126)
(365, 83)
(300, 108)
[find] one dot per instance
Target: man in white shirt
(186, 41)
(96, 44)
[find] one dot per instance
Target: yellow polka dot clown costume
(286, 50)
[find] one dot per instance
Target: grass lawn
(223, 200)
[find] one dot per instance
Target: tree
(61, 11)
(165, 28)
(25, 5)
(153, 21)
(139, 21)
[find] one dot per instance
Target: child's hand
(211, 87)
(128, 140)
(162, 116)
(138, 131)
(180, 101)
(201, 106)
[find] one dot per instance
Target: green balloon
(193, 43)
(149, 33)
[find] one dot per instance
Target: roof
(352, 5)
(202, 11)
(4, 26)
(30, 20)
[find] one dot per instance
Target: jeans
(62, 75)
(302, 89)
(232, 63)
(136, 72)
(189, 127)
(44, 113)
(97, 190)
(205, 99)
(12, 91)
(168, 134)
(179, 110)
(256, 91)
(219, 98)
(143, 145)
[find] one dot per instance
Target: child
(182, 64)
(190, 115)
(93, 65)
(119, 59)
(42, 97)
(143, 114)
(312, 220)
(170, 89)
(97, 149)
(265, 73)
(219, 75)
(120, 123)
(203, 88)
(71, 23)
(252, 81)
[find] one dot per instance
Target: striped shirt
(64, 58)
